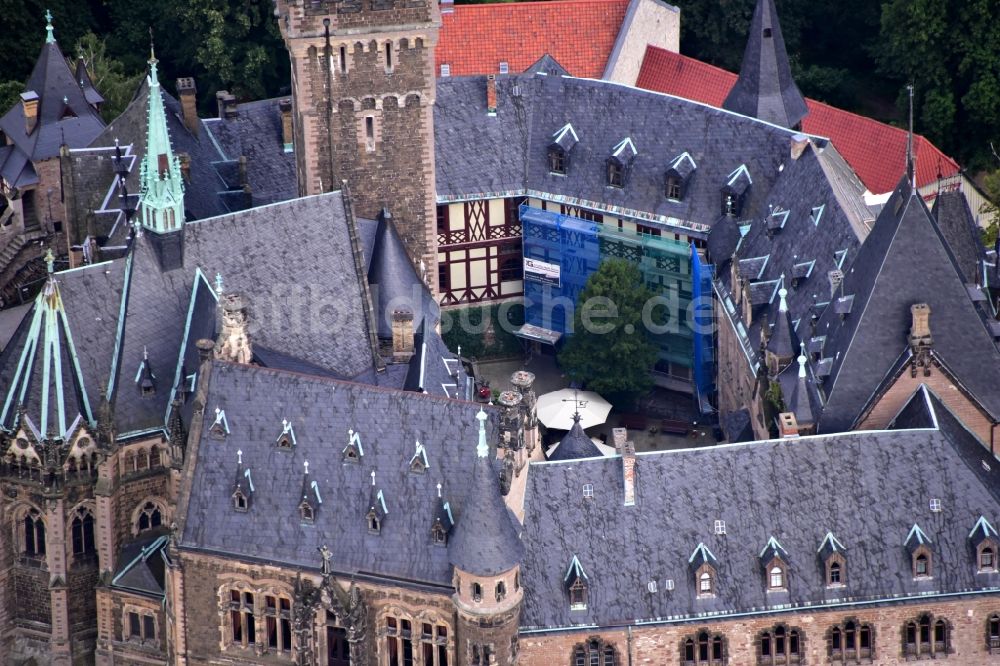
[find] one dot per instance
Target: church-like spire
(161, 198)
(50, 37)
(766, 89)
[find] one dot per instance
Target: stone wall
(648, 23)
(736, 379)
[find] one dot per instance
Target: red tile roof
(876, 151)
(579, 34)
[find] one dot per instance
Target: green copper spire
(50, 38)
(161, 197)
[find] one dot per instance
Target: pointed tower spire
(161, 198)
(50, 37)
(766, 89)
(911, 165)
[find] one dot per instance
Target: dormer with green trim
(161, 197)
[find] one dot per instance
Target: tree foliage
(108, 75)
(615, 356)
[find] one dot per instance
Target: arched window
(835, 577)
(154, 457)
(595, 652)
(851, 643)
(33, 534)
(993, 633)
(477, 592)
(150, 517)
(776, 579)
(705, 583)
(501, 590)
(780, 645)
(925, 636)
(987, 559)
(83, 533)
(703, 648)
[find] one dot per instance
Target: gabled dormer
(986, 545)
(145, 379)
(443, 521)
(377, 510)
(620, 162)
(286, 440)
(705, 569)
(353, 452)
(678, 176)
(735, 190)
(310, 498)
(418, 462)
(833, 557)
(577, 585)
(220, 426)
(242, 485)
(559, 150)
(777, 219)
(920, 548)
(774, 561)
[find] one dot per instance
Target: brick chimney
(227, 104)
(491, 94)
(285, 106)
(447, 6)
(920, 328)
(187, 92)
(788, 425)
(29, 100)
(799, 144)
(233, 343)
(626, 450)
(402, 334)
(185, 161)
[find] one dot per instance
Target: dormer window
(922, 566)
(220, 427)
(578, 595)
(622, 156)
(673, 189)
(705, 584)
(353, 452)
(306, 513)
(557, 161)
(730, 207)
(377, 510)
(418, 463)
(438, 535)
(986, 544)
(704, 567)
(562, 144)
(774, 558)
(734, 191)
(678, 176)
(240, 502)
(834, 575)
(616, 174)
(987, 559)
(832, 554)
(286, 440)
(776, 577)
(374, 524)
(919, 546)
(577, 585)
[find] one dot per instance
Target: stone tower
(486, 554)
(363, 87)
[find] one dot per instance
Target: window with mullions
(242, 624)
(851, 643)
(33, 534)
(779, 646)
(926, 637)
(399, 641)
(150, 517)
(278, 620)
(993, 633)
(703, 648)
(595, 652)
(83, 533)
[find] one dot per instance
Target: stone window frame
(439, 640)
(142, 612)
(841, 653)
(939, 630)
(993, 547)
(558, 160)
(605, 652)
(691, 646)
(841, 562)
(142, 506)
(129, 459)
(923, 551)
(788, 656)
(19, 540)
(769, 575)
(255, 612)
(993, 633)
(77, 513)
(706, 569)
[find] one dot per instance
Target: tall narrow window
(835, 573)
(150, 517)
(595, 652)
(673, 188)
(34, 535)
(987, 559)
(777, 578)
(83, 533)
(388, 56)
(993, 633)
(343, 59)
(370, 134)
(921, 566)
(134, 626)
(243, 626)
(277, 613)
(148, 628)
(616, 174)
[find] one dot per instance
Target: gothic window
(925, 637)
(306, 512)
(278, 621)
(343, 59)
(240, 502)
(835, 571)
(154, 457)
(33, 534)
(477, 592)
(83, 533)
(501, 591)
(557, 161)
(993, 633)
(438, 534)
(399, 641)
(150, 517)
(595, 652)
(779, 646)
(703, 648)
(851, 643)
(705, 583)
(374, 524)
(242, 623)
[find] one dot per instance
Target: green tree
(108, 75)
(611, 351)
(10, 94)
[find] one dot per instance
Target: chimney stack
(799, 143)
(491, 94)
(227, 104)
(187, 91)
(920, 329)
(285, 106)
(29, 100)
(402, 334)
(626, 450)
(788, 425)
(185, 161)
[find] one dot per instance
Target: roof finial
(145, 353)
(239, 456)
(911, 171)
(50, 260)
(50, 38)
(482, 449)
(782, 293)
(802, 360)
(152, 50)
(439, 491)
(373, 478)
(218, 284)
(306, 465)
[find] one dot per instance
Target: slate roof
(143, 565)
(875, 150)
(765, 88)
(905, 260)
(954, 219)
(510, 157)
(322, 411)
(475, 39)
(576, 444)
(789, 489)
(255, 132)
(64, 116)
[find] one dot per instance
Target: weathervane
(577, 404)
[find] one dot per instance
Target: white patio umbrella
(556, 409)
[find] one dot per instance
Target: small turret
(781, 343)
(486, 553)
(161, 198)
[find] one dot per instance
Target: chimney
(187, 91)
(626, 450)
(285, 106)
(836, 279)
(920, 330)
(788, 426)
(29, 100)
(227, 104)
(233, 344)
(185, 161)
(402, 334)
(447, 6)
(491, 94)
(799, 143)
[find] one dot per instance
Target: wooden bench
(672, 427)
